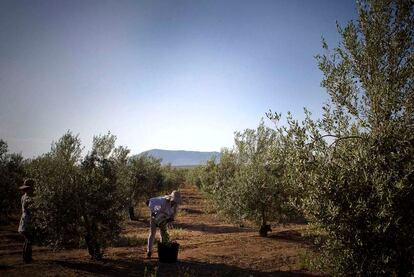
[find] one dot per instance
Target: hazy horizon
(158, 74)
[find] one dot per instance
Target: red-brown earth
(208, 247)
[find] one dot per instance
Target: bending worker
(163, 210)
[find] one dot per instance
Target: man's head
(28, 186)
(175, 197)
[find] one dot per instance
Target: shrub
(58, 179)
(77, 200)
(248, 182)
(11, 176)
(145, 177)
(172, 178)
(354, 166)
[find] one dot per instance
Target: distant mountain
(181, 157)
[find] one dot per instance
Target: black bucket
(168, 253)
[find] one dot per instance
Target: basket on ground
(168, 253)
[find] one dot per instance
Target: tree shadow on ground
(3, 267)
(213, 229)
(138, 223)
(154, 268)
(294, 236)
(192, 211)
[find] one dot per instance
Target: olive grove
(360, 187)
(350, 172)
(12, 173)
(82, 200)
(247, 183)
(357, 181)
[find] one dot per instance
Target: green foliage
(81, 200)
(77, 200)
(143, 177)
(248, 182)
(172, 178)
(58, 180)
(193, 176)
(11, 176)
(103, 146)
(68, 148)
(101, 197)
(146, 177)
(55, 214)
(350, 172)
(354, 166)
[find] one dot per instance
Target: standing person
(25, 226)
(163, 210)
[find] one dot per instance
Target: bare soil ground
(208, 247)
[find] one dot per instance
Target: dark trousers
(27, 247)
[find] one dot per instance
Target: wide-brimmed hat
(175, 196)
(28, 184)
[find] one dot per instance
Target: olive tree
(216, 180)
(12, 173)
(263, 194)
(101, 200)
(193, 176)
(120, 160)
(172, 178)
(355, 165)
(145, 179)
(77, 199)
(58, 176)
(247, 183)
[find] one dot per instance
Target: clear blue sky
(158, 74)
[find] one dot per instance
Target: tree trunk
(91, 241)
(131, 213)
(263, 216)
(264, 228)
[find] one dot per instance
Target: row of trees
(351, 172)
(11, 173)
(84, 200)
(248, 182)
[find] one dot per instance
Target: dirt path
(208, 247)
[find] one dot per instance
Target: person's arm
(171, 219)
(174, 213)
(175, 209)
(27, 202)
(151, 205)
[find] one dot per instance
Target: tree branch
(343, 138)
